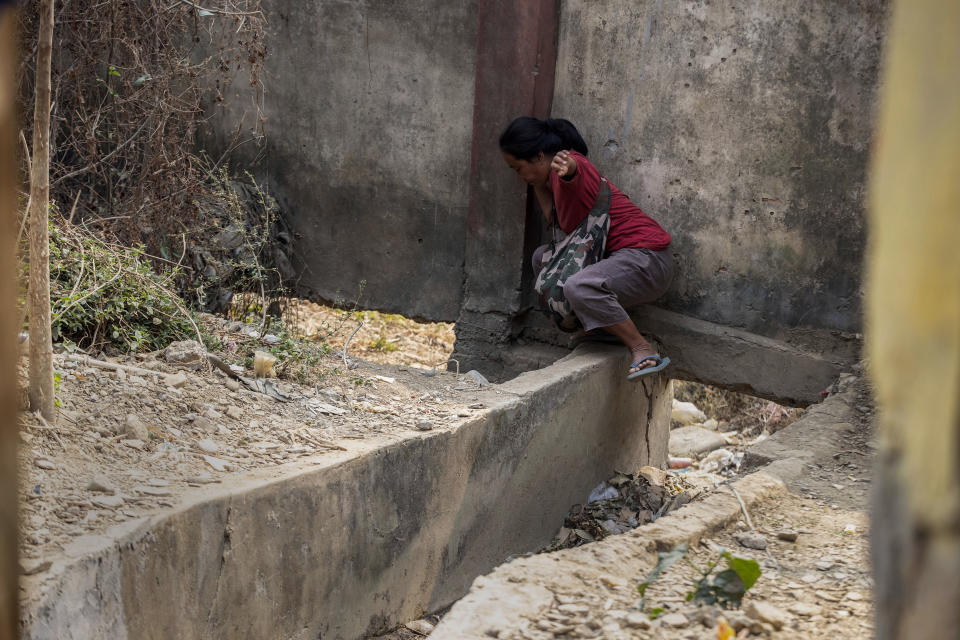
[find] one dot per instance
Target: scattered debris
(623, 502)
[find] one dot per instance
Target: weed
(382, 344)
(105, 295)
(728, 587)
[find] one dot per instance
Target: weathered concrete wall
(356, 542)
(744, 128)
(368, 129)
(516, 52)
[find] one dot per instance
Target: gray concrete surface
(809, 455)
(353, 543)
(522, 591)
(368, 111)
(791, 371)
(744, 128)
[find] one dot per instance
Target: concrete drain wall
(357, 542)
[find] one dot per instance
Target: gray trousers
(601, 293)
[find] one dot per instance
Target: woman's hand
(564, 165)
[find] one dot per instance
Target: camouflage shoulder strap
(582, 247)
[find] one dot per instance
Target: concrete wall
(357, 542)
(744, 128)
(368, 126)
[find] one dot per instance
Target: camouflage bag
(581, 248)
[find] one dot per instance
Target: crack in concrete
(648, 392)
(225, 548)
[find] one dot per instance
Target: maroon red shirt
(629, 226)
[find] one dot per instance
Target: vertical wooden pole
(913, 325)
(41, 350)
(8, 347)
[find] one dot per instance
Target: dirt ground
(90, 470)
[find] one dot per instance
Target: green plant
(105, 295)
(57, 383)
(728, 587)
(665, 560)
(382, 344)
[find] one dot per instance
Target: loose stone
(177, 380)
(637, 620)
(765, 612)
(100, 483)
(751, 540)
(44, 463)
(29, 567)
(135, 429)
(788, 535)
(208, 446)
(675, 620)
(107, 502)
(423, 627)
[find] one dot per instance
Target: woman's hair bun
(527, 137)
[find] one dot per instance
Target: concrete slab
(355, 542)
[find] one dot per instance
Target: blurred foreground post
(8, 346)
(913, 325)
(41, 350)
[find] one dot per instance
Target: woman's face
(535, 171)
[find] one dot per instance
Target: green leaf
(748, 570)
(655, 612)
(113, 71)
(665, 559)
(139, 83)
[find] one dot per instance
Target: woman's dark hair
(526, 137)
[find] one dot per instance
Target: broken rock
(208, 446)
(101, 484)
(675, 620)
(107, 502)
(177, 380)
(751, 540)
(29, 567)
(787, 535)
(423, 627)
(765, 612)
(687, 413)
(692, 441)
(135, 429)
(185, 353)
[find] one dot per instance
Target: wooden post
(913, 325)
(41, 350)
(9, 571)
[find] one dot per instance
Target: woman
(551, 155)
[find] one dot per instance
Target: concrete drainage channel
(355, 543)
